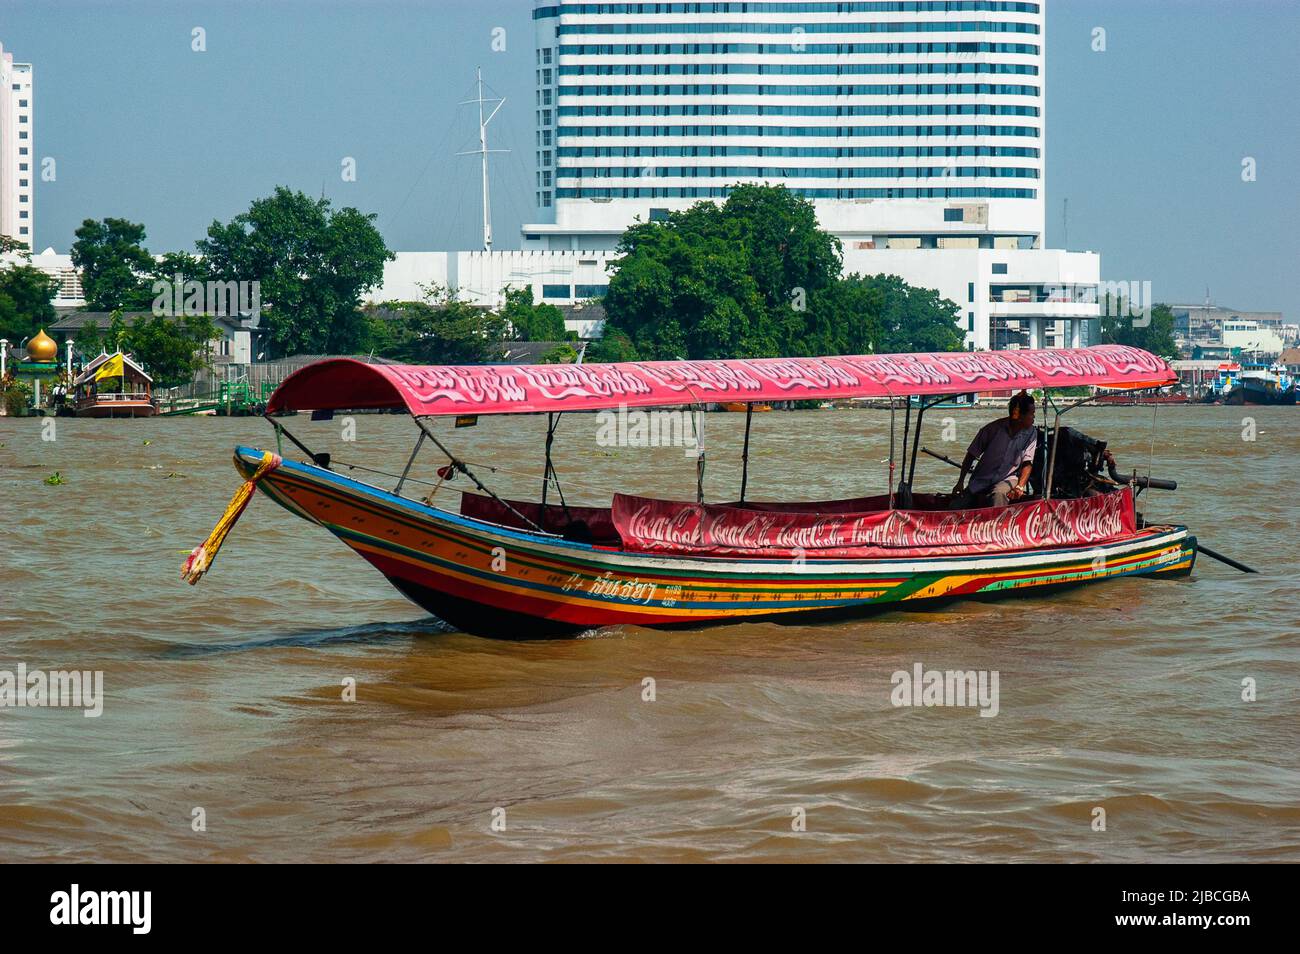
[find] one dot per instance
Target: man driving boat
(1005, 450)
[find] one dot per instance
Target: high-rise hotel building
(915, 126)
(17, 158)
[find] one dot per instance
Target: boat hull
(1256, 396)
(503, 582)
(117, 409)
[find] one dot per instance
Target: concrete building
(1210, 325)
(481, 278)
(17, 153)
(916, 128)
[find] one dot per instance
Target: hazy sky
(1146, 139)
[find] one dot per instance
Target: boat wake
(345, 635)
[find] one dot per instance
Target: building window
(546, 97)
(22, 230)
(970, 321)
(546, 200)
(546, 117)
(546, 137)
(590, 291)
(22, 134)
(22, 118)
(970, 291)
(546, 77)
(22, 167)
(22, 103)
(533, 238)
(658, 215)
(556, 291)
(999, 268)
(22, 214)
(22, 182)
(952, 215)
(546, 179)
(546, 56)
(546, 157)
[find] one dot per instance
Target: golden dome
(42, 348)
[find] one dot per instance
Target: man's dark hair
(1022, 402)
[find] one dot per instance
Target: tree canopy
(171, 349)
(532, 322)
(26, 296)
(440, 329)
(313, 264)
(1153, 332)
(114, 264)
(756, 277)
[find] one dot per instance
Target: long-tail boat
(517, 568)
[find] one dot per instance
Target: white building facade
(17, 154)
(916, 127)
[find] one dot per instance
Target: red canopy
(345, 383)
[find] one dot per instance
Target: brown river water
(228, 697)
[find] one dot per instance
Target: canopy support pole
(320, 460)
(546, 471)
(916, 438)
(459, 465)
(397, 491)
(891, 453)
(907, 422)
(744, 454)
(699, 457)
(549, 474)
(1056, 433)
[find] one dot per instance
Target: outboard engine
(1078, 460)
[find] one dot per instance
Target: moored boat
(536, 568)
(113, 385)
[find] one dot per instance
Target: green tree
(313, 264)
(172, 350)
(731, 280)
(756, 277)
(175, 269)
(442, 329)
(26, 296)
(560, 354)
(1154, 333)
(912, 319)
(532, 322)
(614, 345)
(114, 264)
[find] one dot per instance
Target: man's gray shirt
(1003, 453)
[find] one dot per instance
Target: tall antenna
(483, 151)
(1065, 225)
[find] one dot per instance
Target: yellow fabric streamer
(201, 557)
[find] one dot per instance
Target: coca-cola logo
(667, 525)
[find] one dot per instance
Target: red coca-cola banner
(671, 527)
(345, 383)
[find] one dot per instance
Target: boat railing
(104, 397)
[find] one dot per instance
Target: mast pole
(483, 150)
(482, 147)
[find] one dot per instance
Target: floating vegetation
(172, 473)
(55, 479)
(146, 442)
